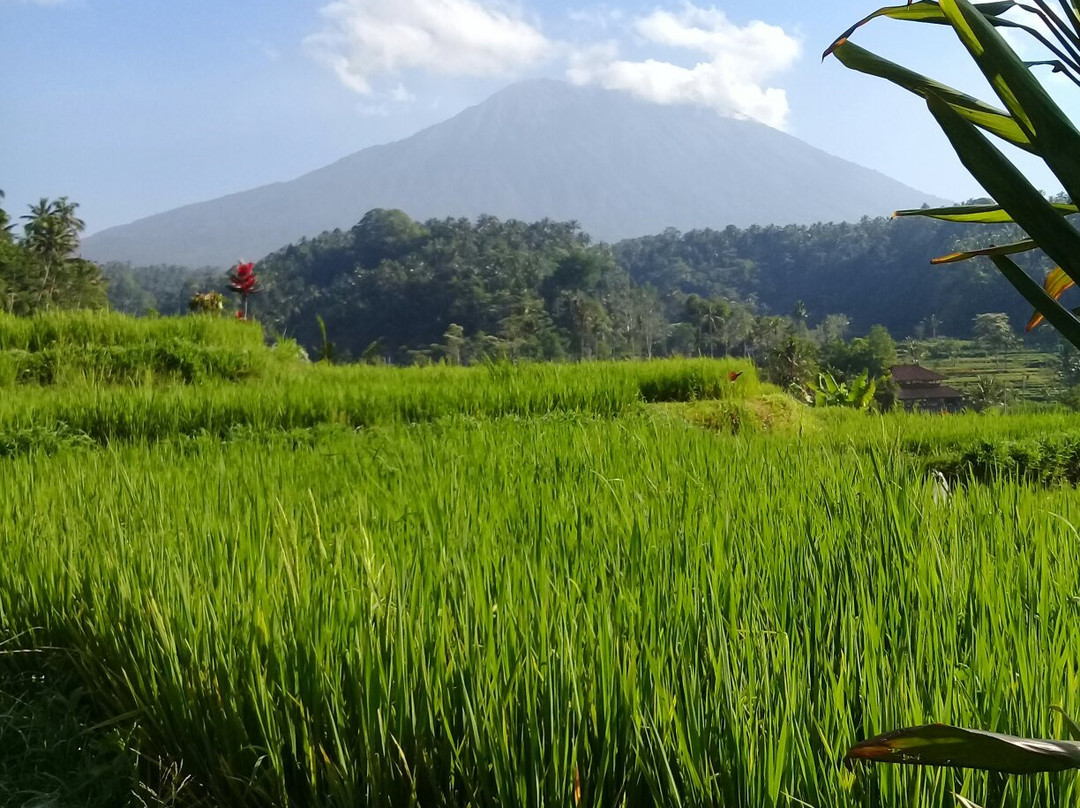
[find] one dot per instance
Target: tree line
(40, 268)
(460, 290)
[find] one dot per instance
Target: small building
(922, 389)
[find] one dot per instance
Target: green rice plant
(84, 328)
(65, 348)
(359, 396)
(503, 611)
(1047, 460)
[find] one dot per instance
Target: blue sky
(132, 107)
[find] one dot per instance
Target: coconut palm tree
(5, 222)
(51, 236)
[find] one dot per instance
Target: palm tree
(5, 222)
(52, 228)
(51, 234)
(933, 322)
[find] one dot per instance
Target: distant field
(1030, 374)
(610, 584)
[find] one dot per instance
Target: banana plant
(944, 745)
(857, 394)
(1025, 116)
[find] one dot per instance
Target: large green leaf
(1027, 245)
(1056, 139)
(1057, 315)
(1010, 189)
(922, 11)
(942, 745)
(1070, 726)
(1055, 285)
(930, 11)
(995, 121)
(976, 214)
(1063, 28)
(964, 802)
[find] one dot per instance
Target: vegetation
(315, 585)
(236, 576)
(858, 395)
(393, 288)
(1030, 120)
(86, 346)
(40, 269)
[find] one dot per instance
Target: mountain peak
(537, 149)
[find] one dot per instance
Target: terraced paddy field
(608, 584)
(1028, 375)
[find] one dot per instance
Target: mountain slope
(619, 166)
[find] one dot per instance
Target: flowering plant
(244, 282)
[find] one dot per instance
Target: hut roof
(909, 374)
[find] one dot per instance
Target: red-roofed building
(923, 389)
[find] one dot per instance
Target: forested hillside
(876, 271)
(398, 289)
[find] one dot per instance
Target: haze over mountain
(619, 166)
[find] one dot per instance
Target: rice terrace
(600, 446)
(252, 580)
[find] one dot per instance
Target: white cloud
(598, 17)
(366, 39)
(739, 62)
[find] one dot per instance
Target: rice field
(512, 586)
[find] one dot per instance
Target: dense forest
(404, 290)
(393, 289)
(876, 271)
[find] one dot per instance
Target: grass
(613, 584)
(1029, 375)
(80, 329)
(64, 349)
(305, 397)
(53, 754)
(381, 616)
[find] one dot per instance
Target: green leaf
(1057, 65)
(964, 802)
(1010, 189)
(922, 11)
(1057, 315)
(1002, 249)
(1070, 725)
(1055, 285)
(995, 121)
(942, 745)
(1056, 139)
(976, 214)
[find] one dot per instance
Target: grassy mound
(63, 348)
(309, 396)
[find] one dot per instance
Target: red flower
(243, 280)
(240, 314)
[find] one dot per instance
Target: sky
(133, 107)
